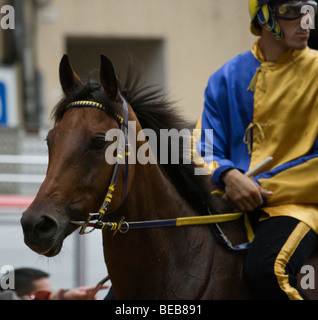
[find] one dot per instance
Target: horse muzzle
(42, 234)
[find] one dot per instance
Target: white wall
(199, 36)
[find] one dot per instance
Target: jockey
(264, 103)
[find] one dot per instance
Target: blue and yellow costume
(265, 118)
(260, 109)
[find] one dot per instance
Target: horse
(166, 263)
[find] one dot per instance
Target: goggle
(292, 10)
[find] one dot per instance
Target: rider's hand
(244, 193)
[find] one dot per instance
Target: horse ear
(68, 78)
(108, 78)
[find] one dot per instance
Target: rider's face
(295, 36)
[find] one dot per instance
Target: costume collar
(290, 55)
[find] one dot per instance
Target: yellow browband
(86, 103)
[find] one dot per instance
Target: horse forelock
(92, 91)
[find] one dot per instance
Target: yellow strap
(283, 258)
(218, 218)
(218, 193)
(249, 230)
(118, 226)
(114, 226)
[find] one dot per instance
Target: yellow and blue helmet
(261, 13)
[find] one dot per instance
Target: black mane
(155, 112)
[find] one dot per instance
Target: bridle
(122, 152)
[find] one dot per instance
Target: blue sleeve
(228, 110)
(211, 118)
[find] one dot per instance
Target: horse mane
(154, 111)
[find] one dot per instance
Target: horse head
(77, 175)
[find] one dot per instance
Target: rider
(264, 103)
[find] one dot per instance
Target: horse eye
(98, 144)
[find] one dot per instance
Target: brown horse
(155, 263)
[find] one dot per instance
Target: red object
(15, 201)
(42, 295)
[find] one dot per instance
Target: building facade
(174, 43)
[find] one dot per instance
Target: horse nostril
(45, 227)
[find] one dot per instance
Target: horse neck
(153, 196)
(142, 256)
(151, 258)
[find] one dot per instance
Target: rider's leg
(280, 248)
